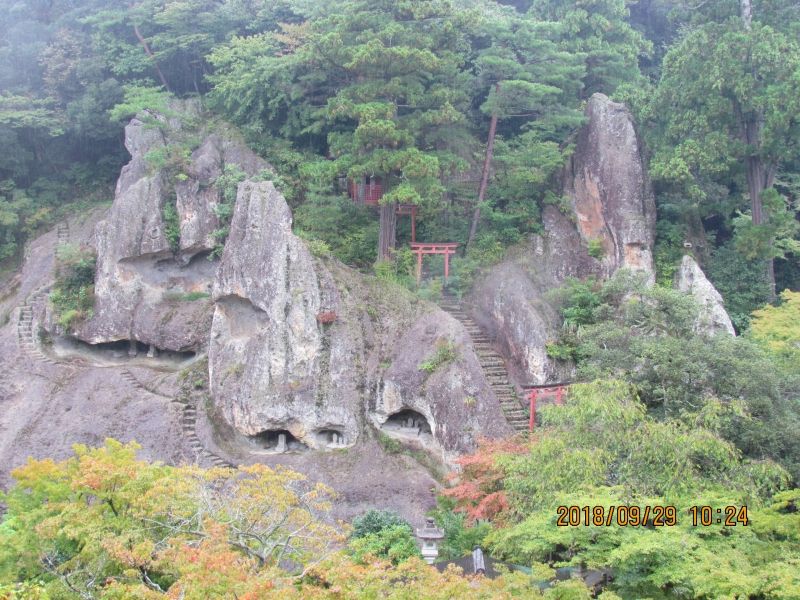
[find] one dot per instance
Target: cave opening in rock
(278, 441)
(408, 422)
(122, 351)
(330, 438)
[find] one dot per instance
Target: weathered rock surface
(606, 181)
(267, 348)
(713, 317)
(455, 398)
(141, 284)
(291, 352)
(613, 211)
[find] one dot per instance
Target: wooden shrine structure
(423, 248)
(535, 392)
(368, 191)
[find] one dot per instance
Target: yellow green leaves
(778, 327)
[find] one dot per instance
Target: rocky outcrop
(712, 318)
(145, 289)
(290, 352)
(607, 184)
(454, 396)
(610, 225)
(269, 350)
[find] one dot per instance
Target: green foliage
(227, 184)
(668, 251)
(600, 34)
(646, 335)
(394, 543)
(172, 226)
(186, 297)
(390, 444)
(103, 515)
(602, 449)
(778, 327)
(73, 290)
(742, 283)
(459, 538)
(375, 521)
(595, 249)
(349, 231)
(445, 353)
(146, 102)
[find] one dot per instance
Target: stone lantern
(430, 535)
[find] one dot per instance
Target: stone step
(489, 359)
(491, 371)
(498, 378)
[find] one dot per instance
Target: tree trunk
(151, 56)
(760, 178)
(487, 162)
(388, 231)
(746, 12)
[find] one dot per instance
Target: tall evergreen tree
(729, 100)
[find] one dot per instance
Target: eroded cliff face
(295, 352)
(612, 212)
(140, 279)
(274, 363)
(606, 181)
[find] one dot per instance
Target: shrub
(72, 297)
(172, 226)
(595, 249)
(445, 353)
(374, 521)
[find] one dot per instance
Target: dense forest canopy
(408, 93)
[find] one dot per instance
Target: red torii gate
(422, 248)
(534, 391)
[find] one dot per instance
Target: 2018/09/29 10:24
(652, 516)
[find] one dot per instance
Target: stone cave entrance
(408, 423)
(330, 438)
(122, 352)
(278, 441)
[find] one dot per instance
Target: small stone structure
(330, 438)
(278, 441)
(430, 536)
(408, 423)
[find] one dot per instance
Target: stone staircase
(188, 400)
(189, 428)
(26, 336)
(134, 382)
(493, 365)
(62, 233)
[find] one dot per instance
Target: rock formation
(268, 347)
(141, 280)
(611, 225)
(712, 318)
(607, 184)
(291, 353)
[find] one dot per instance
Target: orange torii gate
(422, 248)
(534, 391)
